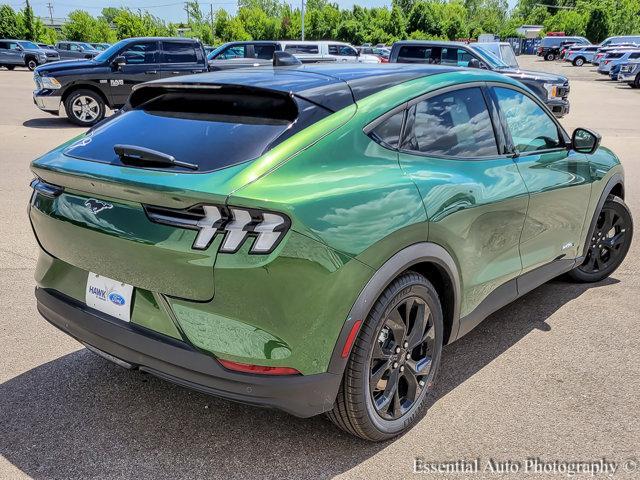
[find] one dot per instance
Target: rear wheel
(609, 242)
(84, 107)
(550, 56)
(393, 363)
(10, 67)
(578, 62)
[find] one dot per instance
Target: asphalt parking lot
(553, 376)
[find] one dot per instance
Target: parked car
(580, 55)
(603, 51)
(23, 53)
(502, 50)
(208, 49)
(260, 53)
(619, 40)
(45, 46)
(100, 46)
(549, 47)
(73, 50)
(630, 74)
(552, 89)
(322, 265)
(616, 57)
(381, 52)
(87, 87)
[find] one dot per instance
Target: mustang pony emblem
(96, 206)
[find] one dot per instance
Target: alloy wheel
(85, 108)
(607, 241)
(401, 359)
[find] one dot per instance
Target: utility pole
(186, 9)
(213, 29)
(303, 20)
(50, 7)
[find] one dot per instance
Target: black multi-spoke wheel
(608, 244)
(393, 362)
(401, 358)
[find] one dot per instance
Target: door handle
(175, 73)
(151, 72)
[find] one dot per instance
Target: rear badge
(96, 206)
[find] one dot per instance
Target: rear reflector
(257, 369)
(351, 338)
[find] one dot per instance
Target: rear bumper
(178, 362)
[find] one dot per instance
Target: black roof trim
(331, 86)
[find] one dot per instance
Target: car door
(558, 179)
(63, 50)
(181, 58)
(142, 64)
(12, 53)
(75, 51)
(4, 57)
(474, 197)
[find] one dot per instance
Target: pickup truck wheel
(10, 67)
(84, 108)
(578, 62)
(550, 56)
(394, 361)
(32, 64)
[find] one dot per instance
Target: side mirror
(284, 59)
(119, 62)
(475, 63)
(585, 141)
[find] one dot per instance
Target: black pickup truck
(552, 89)
(87, 87)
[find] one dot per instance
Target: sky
(169, 10)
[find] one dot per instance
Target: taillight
(257, 369)
(267, 229)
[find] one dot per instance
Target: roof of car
(431, 42)
(334, 86)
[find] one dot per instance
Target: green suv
(308, 238)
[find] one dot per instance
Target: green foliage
(9, 24)
(599, 24)
(79, 27)
(29, 32)
(568, 21)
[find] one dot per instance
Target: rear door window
(233, 51)
(264, 52)
(453, 124)
(415, 54)
(140, 53)
(308, 48)
(179, 52)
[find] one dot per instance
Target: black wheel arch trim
(403, 260)
(614, 180)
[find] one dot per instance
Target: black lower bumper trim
(180, 363)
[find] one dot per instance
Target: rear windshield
(212, 129)
(552, 41)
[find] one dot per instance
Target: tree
(568, 21)
(598, 24)
(29, 32)
(9, 25)
(427, 17)
(79, 27)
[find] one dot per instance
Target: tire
(359, 410)
(84, 107)
(636, 82)
(550, 57)
(609, 242)
(31, 64)
(10, 67)
(578, 62)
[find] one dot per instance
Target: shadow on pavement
(49, 122)
(79, 416)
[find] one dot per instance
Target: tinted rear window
(302, 48)
(212, 129)
(179, 52)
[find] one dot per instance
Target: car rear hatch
(100, 202)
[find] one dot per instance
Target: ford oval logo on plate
(117, 298)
